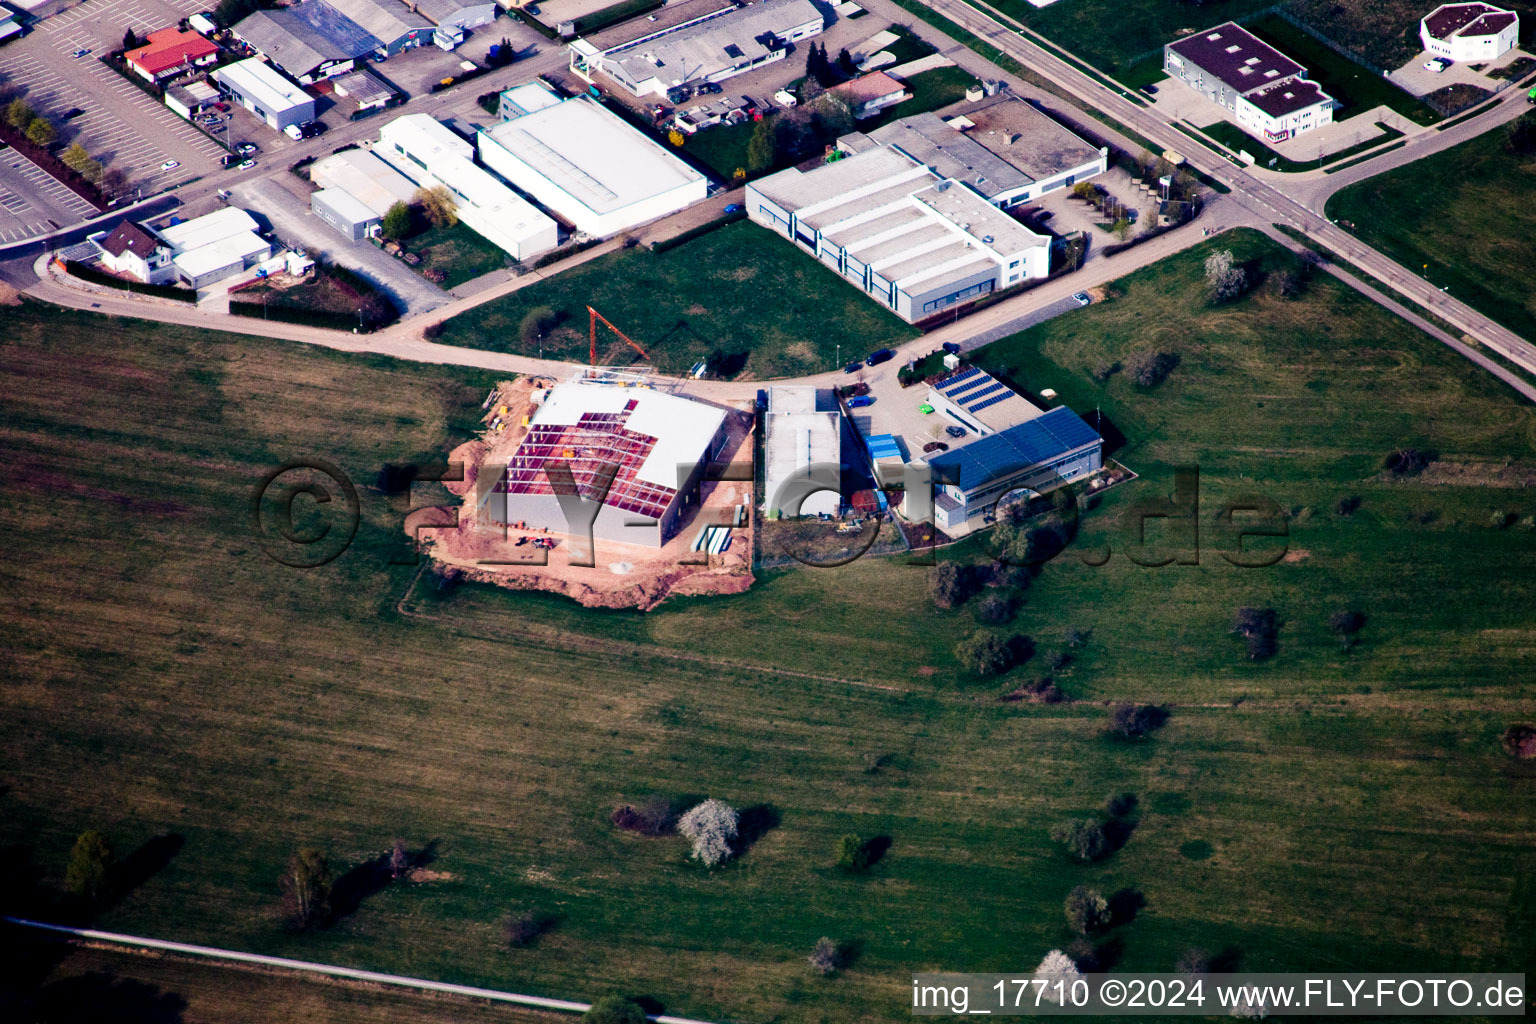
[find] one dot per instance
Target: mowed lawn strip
(740, 294)
(1352, 810)
(1464, 212)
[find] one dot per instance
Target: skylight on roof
(1213, 37)
(1251, 60)
(1233, 48)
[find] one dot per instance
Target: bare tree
(307, 886)
(826, 956)
(399, 860)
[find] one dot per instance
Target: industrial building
(209, 249)
(1469, 32)
(460, 14)
(363, 88)
(364, 177)
(310, 40)
(393, 24)
(802, 447)
(527, 98)
(590, 167)
(919, 243)
(427, 153)
(187, 100)
(169, 52)
(979, 402)
(721, 41)
(1002, 148)
(1017, 446)
(1268, 92)
(351, 218)
(259, 88)
(641, 453)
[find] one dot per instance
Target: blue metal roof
(1007, 452)
(334, 27)
(884, 446)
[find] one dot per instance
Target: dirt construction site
(466, 539)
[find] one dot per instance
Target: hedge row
(164, 291)
(615, 14)
(554, 255)
(695, 232)
(288, 315)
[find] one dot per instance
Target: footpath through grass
(1466, 212)
(741, 296)
(1324, 808)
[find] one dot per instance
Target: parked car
(678, 94)
(853, 367)
(222, 108)
(880, 356)
(247, 148)
(246, 165)
(532, 9)
(708, 89)
(955, 431)
(1082, 298)
(1150, 90)
(229, 159)
(734, 207)
(311, 130)
(952, 347)
(935, 446)
(216, 129)
(860, 402)
(80, 53)
(170, 165)
(71, 114)
(1435, 65)
(293, 132)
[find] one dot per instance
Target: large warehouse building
(427, 153)
(1268, 92)
(587, 165)
(259, 88)
(919, 243)
(642, 453)
(310, 40)
(1017, 445)
(1002, 148)
(710, 46)
(802, 445)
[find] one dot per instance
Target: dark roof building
(1468, 32)
(130, 237)
(1235, 56)
(310, 40)
(1268, 92)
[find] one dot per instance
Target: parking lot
(119, 125)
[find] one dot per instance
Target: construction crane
(592, 336)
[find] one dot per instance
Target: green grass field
(1474, 227)
(1114, 34)
(739, 291)
(1322, 809)
(461, 253)
(1385, 32)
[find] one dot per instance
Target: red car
(222, 108)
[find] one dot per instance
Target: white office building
(591, 168)
(1469, 32)
(427, 153)
(209, 249)
(261, 89)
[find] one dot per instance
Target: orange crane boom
(592, 336)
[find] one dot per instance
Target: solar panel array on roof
(960, 375)
(1003, 454)
(969, 400)
(991, 401)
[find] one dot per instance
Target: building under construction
(615, 445)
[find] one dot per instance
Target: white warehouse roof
(423, 136)
(592, 155)
(346, 204)
(682, 427)
(803, 428)
(365, 177)
(259, 82)
(200, 231)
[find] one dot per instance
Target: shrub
(852, 855)
(1519, 741)
(1134, 721)
(1408, 462)
(985, 653)
(1037, 691)
(1260, 630)
(1076, 637)
(1194, 960)
(1345, 624)
(396, 222)
(536, 323)
(615, 1010)
(712, 828)
(653, 817)
(827, 956)
(307, 887)
(521, 929)
(1149, 369)
(953, 584)
(1087, 910)
(88, 875)
(1348, 505)
(994, 610)
(1224, 280)
(1119, 805)
(1082, 838)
